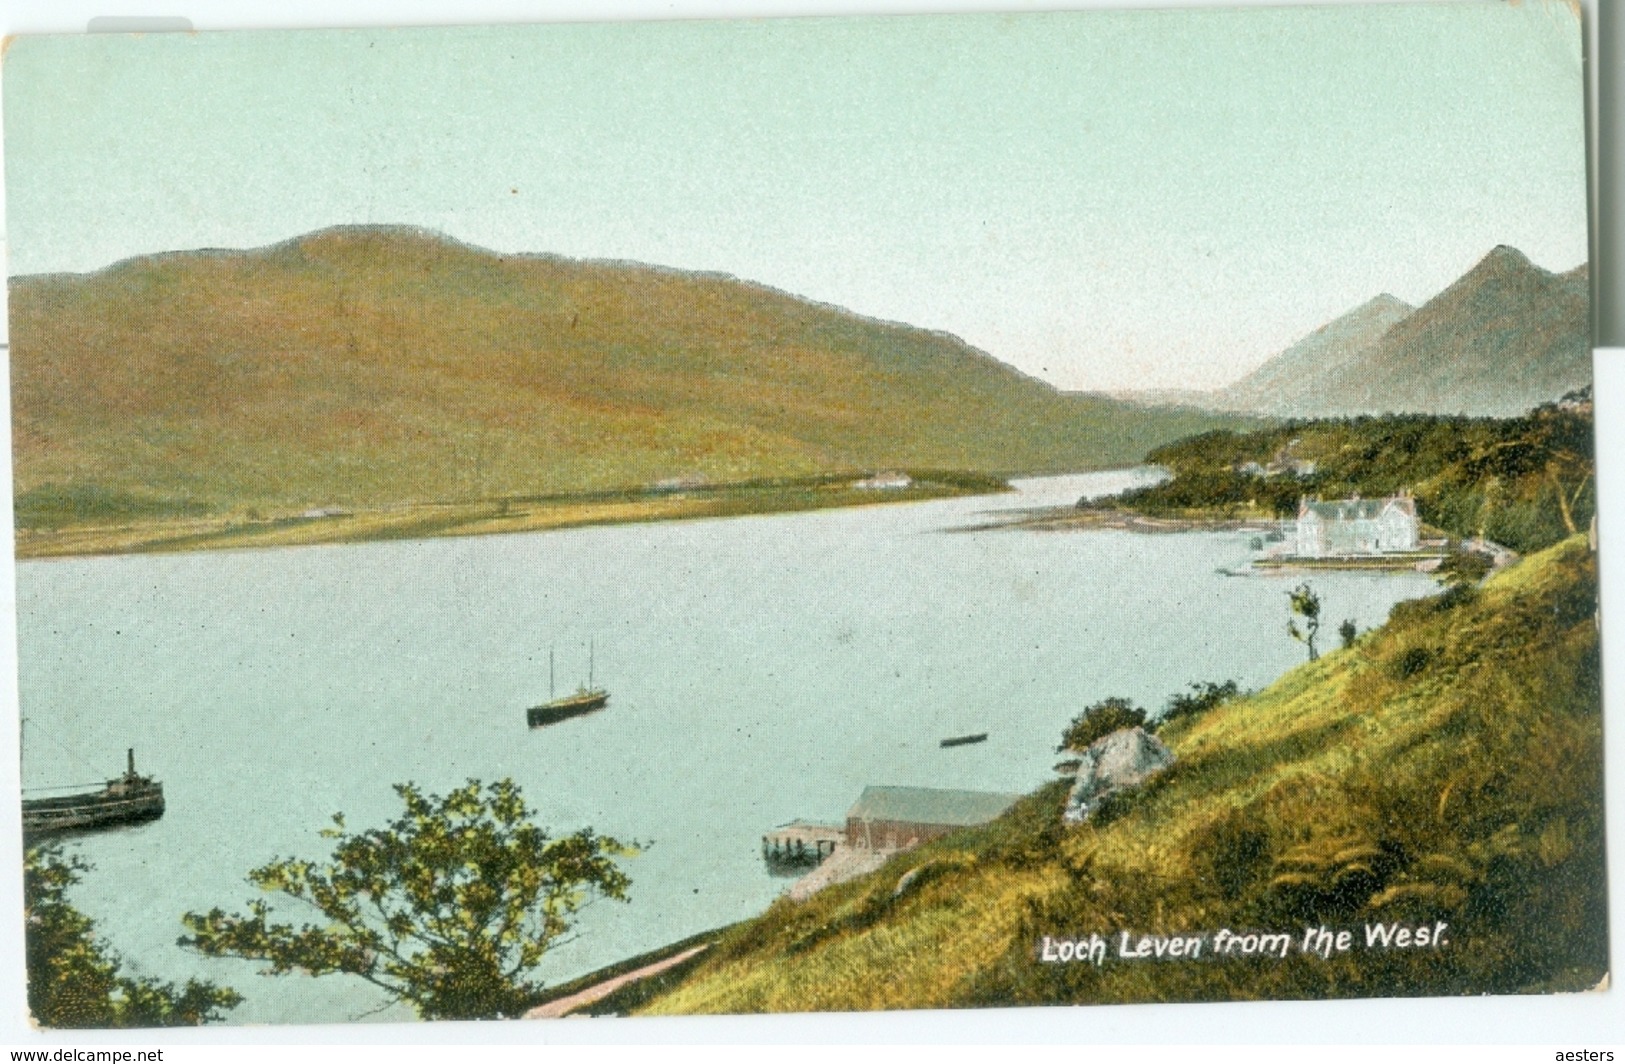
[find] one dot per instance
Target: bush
(1455, 595)
(1205, 695)
(1412, 662)
(1463, 567)
(1100, 720)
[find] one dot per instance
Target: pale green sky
(1104, 200)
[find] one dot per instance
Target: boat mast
(549, 674)
(589, 664)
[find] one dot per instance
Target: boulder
(1112, 763)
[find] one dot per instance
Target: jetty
(801, 842)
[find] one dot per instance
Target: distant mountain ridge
(1504, 337)
(1294, 379)
(371, 365)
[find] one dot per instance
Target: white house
(1357, 526)
(885, 482)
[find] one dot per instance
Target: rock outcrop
(1116, 762)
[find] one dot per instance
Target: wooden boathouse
(884, 821)
(897, 818)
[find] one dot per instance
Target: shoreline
(485, 517)
(1068, 519)
(1121, 520)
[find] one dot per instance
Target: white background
(1552, 1021)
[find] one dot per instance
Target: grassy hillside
(371, 366)
(1525, 481)
(1447, 767)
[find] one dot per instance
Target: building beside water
(1357, 526)
(896, 818)
(889, 481)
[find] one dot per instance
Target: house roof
(929, 805)
(1361, 509)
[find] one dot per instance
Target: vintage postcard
(797, 515)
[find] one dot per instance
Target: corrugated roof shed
(930, 805)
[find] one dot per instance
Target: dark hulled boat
(964, 740)
(128, 799)
(586, 699)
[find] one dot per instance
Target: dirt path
(566, 1005)
(847, 862)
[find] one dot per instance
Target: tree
(1099, 720)
(449, 908)
(1348, 631)
(73, 977)
(1305, 604)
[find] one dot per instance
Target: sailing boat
(586, 699)
(127, 799)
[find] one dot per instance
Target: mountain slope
(1505, 337)
(1292, 380)
(367, 366)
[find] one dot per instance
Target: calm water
(761, 669)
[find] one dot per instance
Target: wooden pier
(801, 842)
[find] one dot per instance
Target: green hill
(1525, 482)
(1445, 768)
(371, 366)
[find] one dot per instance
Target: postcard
(804, 515)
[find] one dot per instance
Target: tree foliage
(1525, 481)
(1463, 567)
(1100, 720)
(74, 979)
(1305, 605)
(450, 907)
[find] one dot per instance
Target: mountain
(366, 366)
(1503, 338)
(1292, 380)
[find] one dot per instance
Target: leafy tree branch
(449, 908)
(75, 980)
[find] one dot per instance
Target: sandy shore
(1068, 519)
